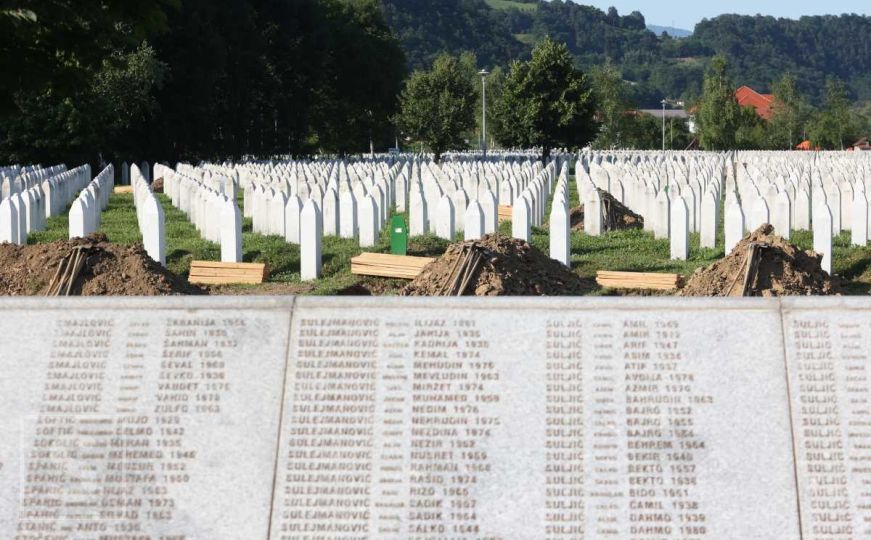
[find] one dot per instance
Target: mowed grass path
(630, 250)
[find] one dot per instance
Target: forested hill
(759, 49)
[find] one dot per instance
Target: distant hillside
(670, 30)
(760, 49)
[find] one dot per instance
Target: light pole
(664, 102)
(483, 73)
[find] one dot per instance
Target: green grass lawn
(630, 250)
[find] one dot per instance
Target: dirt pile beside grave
(782, 270)
(108, 269)
(504, 267)
(157, 186)
(617, 216)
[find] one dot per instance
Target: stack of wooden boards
(504, 213)
(639, 280)
(123, 189)
(385, 265)
(221, 273)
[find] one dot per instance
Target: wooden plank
(215, 272)
(504, 213)
(388, 265)
(219, 264)
(123, 189)
(206, 280)
(639, 280)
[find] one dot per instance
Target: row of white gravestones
(644, 182)
(85, 211)
(401, 180)
(215, 215)
(25, 211)
(149, 215)
(19, 179)
(529, 205)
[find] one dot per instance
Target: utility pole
(664, 102)
(483, 73)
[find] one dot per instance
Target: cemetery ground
(623, 250)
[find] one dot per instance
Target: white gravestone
(231, 232)
(445, 219)
(347, 215)
(292, 215)
(520, 220)
(474, 221)
(311, 238)
(680, 230)
(560, 232)
(823, 234)
(153, 231)
(368, 221)
(593, 213)
(734, 225)
(708, 221)
(859, 215)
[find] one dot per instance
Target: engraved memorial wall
(264, 418)
(128, 423)
(528, 420)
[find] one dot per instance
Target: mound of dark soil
(783, 270)
(109, 269)
(509, 267)
(617, 216)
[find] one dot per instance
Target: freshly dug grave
(109, 269)
(617, 216)
(508, 267)
(783, 270)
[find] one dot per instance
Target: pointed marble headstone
(593, 213)
(708, 220)
(347, 215)
(445, 219)
(368, 212)
(474, 221)
(560, 246)
(521, 220)
(680, 229)
(292, 214)
(231, 232)
(311, 238)
(859, 215)
(823, 234)
(662, 221)
(734, 225)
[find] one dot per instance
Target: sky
(685, 14)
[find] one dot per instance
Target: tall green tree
(437, 106)
(546, 102)
(789, 111)
(366, 68)
(833, 124)
(719, 113)
(610, 92)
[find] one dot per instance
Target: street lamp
(664, 102)
(483, 73)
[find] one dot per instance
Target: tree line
(113, 80)
(194, 79)
(759, 49)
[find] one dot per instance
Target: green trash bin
(398, 236)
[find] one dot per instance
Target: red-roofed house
(748, 97)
